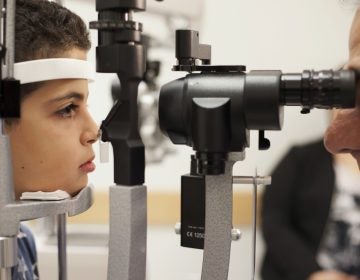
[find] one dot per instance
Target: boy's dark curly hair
(45, 29)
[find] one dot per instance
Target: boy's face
(51, 145)
(343, 134)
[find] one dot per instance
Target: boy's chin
(75, 192)
(71, 189)
(77, 188)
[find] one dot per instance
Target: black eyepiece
(323, 89)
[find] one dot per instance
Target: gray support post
(6, 180)
(61, 239)
(8, 256)
(10, 38)
(128, 228)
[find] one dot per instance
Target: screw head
(177, 228)
(235, 234)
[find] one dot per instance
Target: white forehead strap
(53, 69)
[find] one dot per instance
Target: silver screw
(178, 228)
(264, 180)
(235, 234)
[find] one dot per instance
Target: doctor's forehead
(354, 38)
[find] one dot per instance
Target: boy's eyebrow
(75, 95)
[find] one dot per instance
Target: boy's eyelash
(68, 111)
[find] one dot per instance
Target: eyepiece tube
(323, 89)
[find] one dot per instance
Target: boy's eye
(68, 111)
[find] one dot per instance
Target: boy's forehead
(60, 90)
(76, 53)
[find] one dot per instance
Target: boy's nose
(91, 133)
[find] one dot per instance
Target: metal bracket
(255, 181)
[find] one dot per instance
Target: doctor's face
(343, 134)
(51, 144)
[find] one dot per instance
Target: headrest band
(52, 69)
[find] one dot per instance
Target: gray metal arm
(218, 223)
(218, 219)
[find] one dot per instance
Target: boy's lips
(88, 166)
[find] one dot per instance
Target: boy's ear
(9, 124)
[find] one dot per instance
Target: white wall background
(289, 35)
